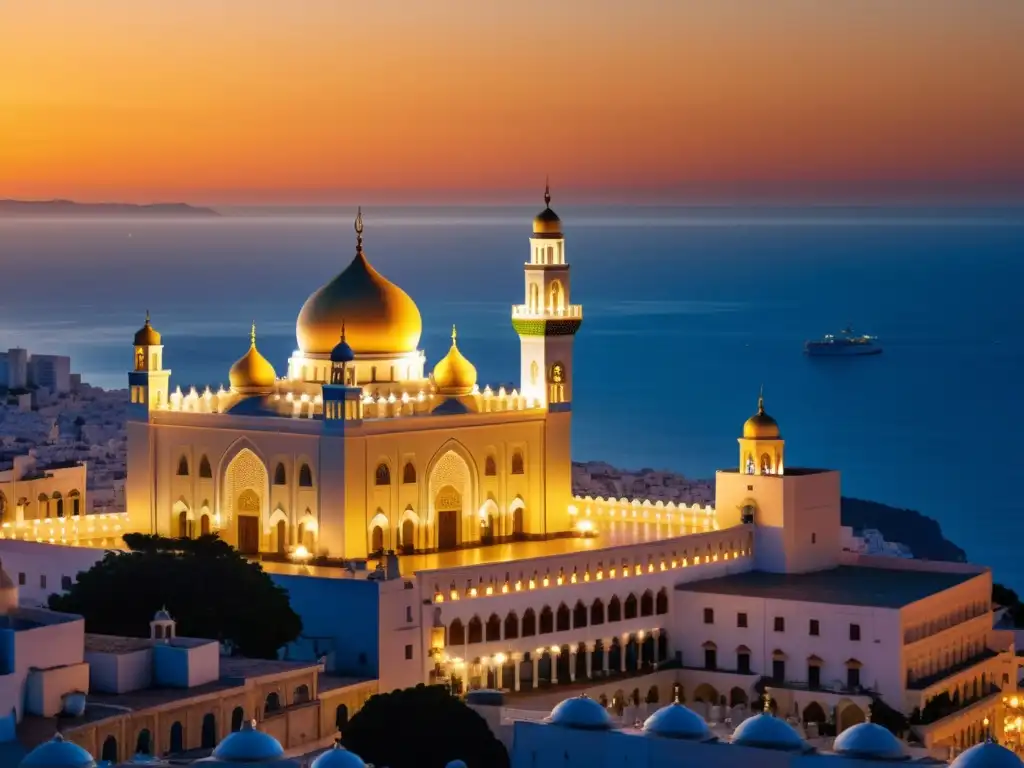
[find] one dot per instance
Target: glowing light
(500, 658)
(585, 526)
(301, 554)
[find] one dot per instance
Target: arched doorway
(204, 525)
(706, 693)
(849, 716)
(282, 536)
(518, 519)
(249, 508)
(237, 716)
(376, 539)
(341, 717)
(814, 713)
(737, 697)
(452, 496)
(176, 744)
(245, 491)
(209, 731)
(144, 743)
(109, 752)
(408, 536)
(183, 524)
(448, 505)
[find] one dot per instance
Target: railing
(920, 683)
(525, 312)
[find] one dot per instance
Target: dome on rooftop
(988, 754)
(57, 753)
(248, 746)
(676, 721)
(582, 713)
(766, 731)
(869, 741)
(338, 757)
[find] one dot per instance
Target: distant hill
(919, 532)
(71, 208)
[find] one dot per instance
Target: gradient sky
(315, 101)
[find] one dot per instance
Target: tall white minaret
(547, 322)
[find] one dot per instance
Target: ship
(844, 344)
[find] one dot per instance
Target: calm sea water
(687, 314)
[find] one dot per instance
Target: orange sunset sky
(315, 101)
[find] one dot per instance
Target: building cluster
(597, 478)
(21, 372)
(426, 530)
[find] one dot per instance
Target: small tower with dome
(761, 445)
(162, 627)
(149, 382)
(343, 400)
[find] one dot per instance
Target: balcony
(524, 312)
(922, 683)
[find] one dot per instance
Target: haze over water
(687, 312)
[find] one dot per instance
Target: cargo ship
(844, 344)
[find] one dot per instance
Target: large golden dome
(761, 426)
(252, 374)
(454, 374)
(379, 317)
(147, 335)
(546, 223)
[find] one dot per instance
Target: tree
(887, 717)
(422, 727)
(1007, 598)
(206, 585)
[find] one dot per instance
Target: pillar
(499, 676)
(639, 652)
(572, 664)
(535, 658)
(656, 634)
(622, 655)
(518, 661)
(554, 667)
(590, 660)
(604, 655)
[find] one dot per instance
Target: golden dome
(252, 374)
(379, 317)
(454, 374)
(546, 223)
(147, 335)
(761, 426)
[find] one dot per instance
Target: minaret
(343, 400)
(762, 449)
(148, 382)
(547, 322)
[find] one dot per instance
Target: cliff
(919, 532)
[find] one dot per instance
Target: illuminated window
(383, 474)
(409, 473)
(517, 463)
(490, 467)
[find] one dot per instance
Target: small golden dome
(147, 335)
(761, 426)
(379, 317)
(547, 223)
(454, 374)
(252, 374)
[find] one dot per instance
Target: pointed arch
(647, 603)
(409, 473)
(490, 466)
(277, 516)
(547, 620)
(511, 626)
(182, 466)
(517, 464)
(614, 609)
(452, 464)
(579, 615)
(563, 619)
(493, 628)
(205, 470)
(456, 633)
(529, 623)
(597, 612)
(475, 630)
(382, 475)
(243, 468)
(305, 476)
(661, 602)
(280, 474)
(630, 606)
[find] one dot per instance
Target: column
(572, 663)
(554, 667)
(656, 634)
(518, 661)
(535, 658)
(606, 649)
(590, 660)
(499, 676)
(622, 654)
(639, 651)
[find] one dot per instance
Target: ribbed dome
(252, 374)
(766, 731)
(338, 757)
(547, 223)
(248, 746)
(57, 753)
(581, 713)
(869, 741)
(379, 317)
(761, 426)
(147, 335)
(988, 754)
(454, 374)
(677, 722)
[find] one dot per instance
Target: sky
(321, 101)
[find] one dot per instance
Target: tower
(547, 322)
(148, 382)
(762, 446)
(343, 400)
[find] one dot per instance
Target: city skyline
(700, 102)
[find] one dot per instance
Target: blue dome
(765, 731)
(677, 722)
(870, 741)
(342, 352)
(580, 712)
(57, 753)
(338, 757)
(248, 746)
(456, 764)
(988, 754)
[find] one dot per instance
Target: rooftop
(796, 471)
(845, 585)
(114, 644)
(334, 682)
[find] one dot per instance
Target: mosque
(437, 514)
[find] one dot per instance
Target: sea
(688, 313)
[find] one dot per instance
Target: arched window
(661, 602)
(109, 753)
(614, 609)
(341, 717)
(237, 716)
(76, 503)
(529, 623)
(647, 604)
(517, 463)
(144, 743)
(408, 473)
(490, 467)
(766, 464)
(579, 615)
(281, 477)
(305, 476)
(456, 633)
(547, 621)
(176, 743)
(563, 619)
(183, 467)
(475, 630)
(597, 612)
(511, 626)
(377, 539)
(383, 475)
(301, 695)
(630, 606)
(273, 703)
(493, 628)
(59, 503)
(209, 731)
(205, 470)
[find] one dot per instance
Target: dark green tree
(890, 718)
(206, 585)
(422, 727)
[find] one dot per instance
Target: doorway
(447, 529)
(282, 536)
(517, 523)
(248, 534)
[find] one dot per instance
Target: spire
(547, 191)
(342, 330)
(252, 334)
(760, 400)
(147, 317)
(359, 229)
(454, 334)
